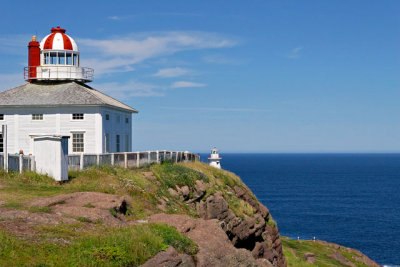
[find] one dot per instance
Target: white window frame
(37, 117)
(72, 141)
(78, 114)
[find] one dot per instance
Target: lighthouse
(215, 158)
(55, 58)
(57, 101)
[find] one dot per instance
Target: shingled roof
(58, 94)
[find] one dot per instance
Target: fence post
(21, 163)
(148, 157)
(185, 155)
(126, 160)
(137, 159)
(112, 159)
(33, 163)
(158, 156)
(98, 159)
(176, 156)
(81, 162)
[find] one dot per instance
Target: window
(126, 120)
(107, 142)
(107, 117)
(76, 63)
(37, 117)
(53, 58)
(127, 143)
(61, 58)
(68, 58)
(118, 143)
(77, 142)
(118, 118)
(77, 116)
(1, 117)
(1, 143)
(46, 58)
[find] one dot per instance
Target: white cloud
(220, 59)
(132, 88)
(8, 81)
(15, 44)
(114, 17)
(171, 72)
(115, 54)
(184, 84)
(295, 52)
(216, 109)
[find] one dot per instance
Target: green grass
(321, 252)
(128, 246)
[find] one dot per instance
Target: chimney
(33, 58)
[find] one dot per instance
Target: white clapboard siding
(58, 120)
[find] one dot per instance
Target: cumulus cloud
(295, 52)
(171, 72)
(184, 84)
(116, 53)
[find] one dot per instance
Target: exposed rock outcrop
(251, 233)
(215, 249)
(170, 258)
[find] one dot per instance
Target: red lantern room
(55, 58)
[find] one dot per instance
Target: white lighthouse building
(56, 100)
(215, 159)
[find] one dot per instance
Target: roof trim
(71, 105)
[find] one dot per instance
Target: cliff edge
(187, 214)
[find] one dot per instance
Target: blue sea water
(349, 199)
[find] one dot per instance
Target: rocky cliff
(163, 215)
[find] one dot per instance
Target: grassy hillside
(89, 242)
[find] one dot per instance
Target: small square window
(107, 117)
(37, 117)
(126, 120)
(1, 117)
(77, 116)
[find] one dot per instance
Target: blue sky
(245, 76)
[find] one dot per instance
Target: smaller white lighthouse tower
(214, 158)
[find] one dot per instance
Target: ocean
(349, 199)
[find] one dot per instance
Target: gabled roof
(58, 94)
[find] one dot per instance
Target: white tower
(214, 158)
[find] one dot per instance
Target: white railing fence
(21, 163)
(128, 159)
(18, 163)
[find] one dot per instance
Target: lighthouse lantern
(55, 58)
